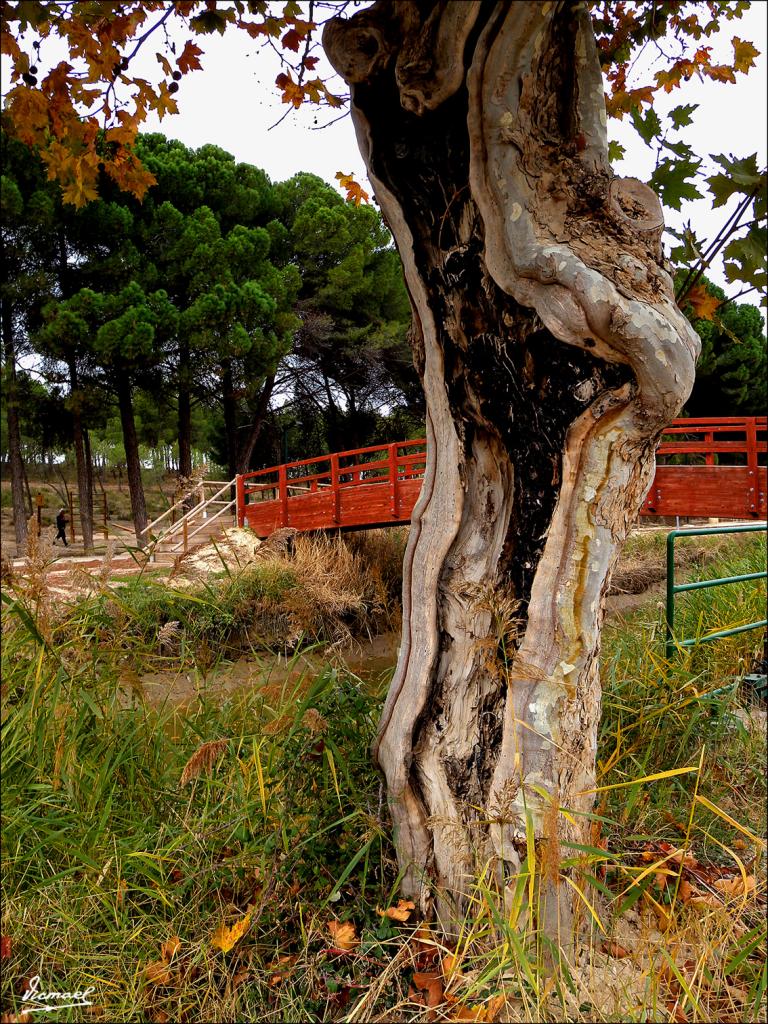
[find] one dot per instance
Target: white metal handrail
(193, 512)
(185, 498)
(206, 522)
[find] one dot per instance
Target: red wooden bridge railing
(706, 467)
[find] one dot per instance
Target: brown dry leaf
(682, 857)
(122, 888)
(399, 913)
(160, 1017)
(482, 1013)
(735, 886)
(739, 995)
(423, 939)
(462, 1012)
(240, 977)
(615, 950)
(494, 1006)
(157, 973)
(170, 948)
(707, 899)
(739, 844)
(224, 938)
(431, 984)
(677, 1013)
(343, 934)
(449, 965)
(685, 891)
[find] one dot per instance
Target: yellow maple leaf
(224, 938)
(744, 54)
(355, 192)
(78, 193)
(704, 305)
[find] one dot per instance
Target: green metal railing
(678, 588)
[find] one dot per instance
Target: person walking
(61, 522)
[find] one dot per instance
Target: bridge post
(240, 500)
(282, 483)
(394, 484)
(335, 487)
(752, 472)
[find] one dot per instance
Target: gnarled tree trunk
(552, 356)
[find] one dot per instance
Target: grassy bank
(230, 860)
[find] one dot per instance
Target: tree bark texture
(14, 429)
(552, 355)
(132, 460)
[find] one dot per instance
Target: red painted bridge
(706, 467)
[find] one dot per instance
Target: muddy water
(372, 661)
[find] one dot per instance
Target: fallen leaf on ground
(5, 946)
(615, 950)
(224, 938)
(483, 1013)
(735, 886)
(705, 899)
(170, 947)
(685, 891)
(343, 934)
(449, 964)
(677, 1013)
(157, 973)
(683, 857)
(399, 913)
(426, 988)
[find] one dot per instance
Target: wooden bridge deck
(706, 467)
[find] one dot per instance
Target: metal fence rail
(679, 588)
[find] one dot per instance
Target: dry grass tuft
(202, 760)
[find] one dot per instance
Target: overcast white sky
(233, 102)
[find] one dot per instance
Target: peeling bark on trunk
(552, 355)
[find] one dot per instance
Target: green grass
(106, 855)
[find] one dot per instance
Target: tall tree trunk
(552, 356)
(331, 417)
(257, 422)
(14, 429)
(132, 460)
(230, 417)
(88, 470)
(185, 412)
(83, 489)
